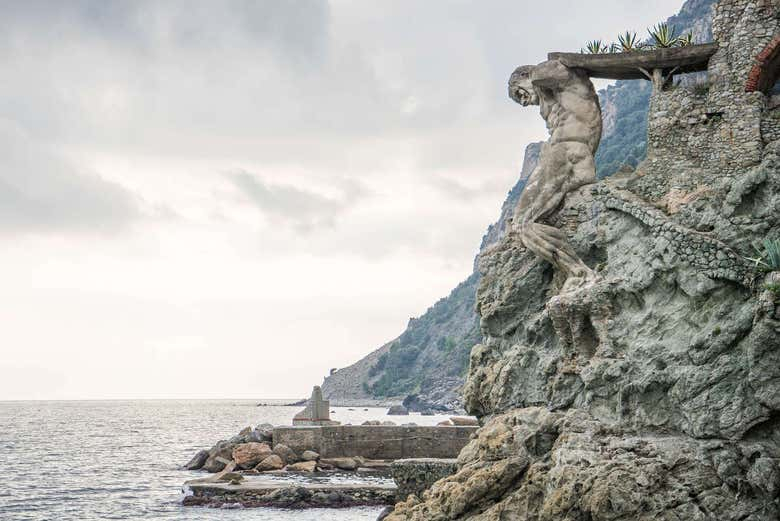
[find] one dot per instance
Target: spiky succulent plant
(685, 40)
(595, 47)
(663, 35)
(628, 42)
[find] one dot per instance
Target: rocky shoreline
(282, 466)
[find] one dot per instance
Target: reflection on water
(119, 459)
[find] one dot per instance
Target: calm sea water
(95, 460)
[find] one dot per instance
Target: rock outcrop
(443, 336)
(653, 393)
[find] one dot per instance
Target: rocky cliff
(653, 393)
(431, 356)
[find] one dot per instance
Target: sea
(95, 460)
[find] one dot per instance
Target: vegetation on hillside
(437, 343)
(625, 146)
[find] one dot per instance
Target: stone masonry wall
(376, 442)
(697, 133)
(707, 255)
(770, 125)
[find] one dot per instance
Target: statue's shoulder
(551, 73)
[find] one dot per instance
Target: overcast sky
(226, 199)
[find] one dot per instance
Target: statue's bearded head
(520, 88)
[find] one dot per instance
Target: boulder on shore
(198, 460)
(219, 455)
(286, 453)
(310, 455)
(272, 462)
(247, 455)
(216, 464)
(263, 432)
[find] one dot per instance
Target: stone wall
(376, 442)
(706, 255)
(765, 72)
(770, 125)
(703, 132)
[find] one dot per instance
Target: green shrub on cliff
(625, 144)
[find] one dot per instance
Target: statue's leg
(547, 186)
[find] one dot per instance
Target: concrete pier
(260, 492)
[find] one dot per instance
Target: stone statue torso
(571, 110)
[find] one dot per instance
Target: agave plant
(663, 35)
(628, 42)
(685, 41)
(595, 47)
(768, 257)
(772, 251)
(614, 48)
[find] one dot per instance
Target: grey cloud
(40, 191)
(454, 189)
(348, 86)
(304, 209)
(296, 27)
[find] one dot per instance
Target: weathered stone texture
(416, 475)
(251, 493)
(665, 340)
(653, 393)
(553, 466)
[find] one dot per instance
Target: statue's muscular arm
(550, 74)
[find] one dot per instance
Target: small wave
(186, 491)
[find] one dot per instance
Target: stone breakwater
(246, 469)
(384, 442)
